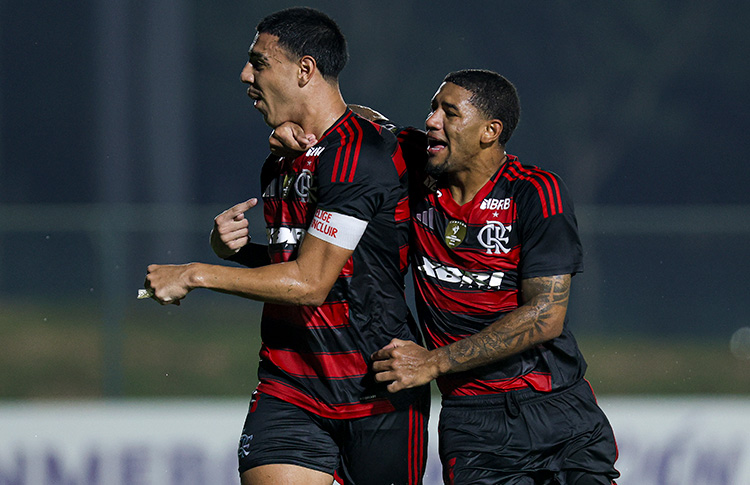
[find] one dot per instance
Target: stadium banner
(662, 441)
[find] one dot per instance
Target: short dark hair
(304, 31)
(493, 95)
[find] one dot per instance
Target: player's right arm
(541, 318)
(538, 320)
(289, 140)
(230, 237)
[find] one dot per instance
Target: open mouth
(254, 95)
(435, 145)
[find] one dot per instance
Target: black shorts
(527, 438)
(384, 449)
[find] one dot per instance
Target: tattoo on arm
(539, 319)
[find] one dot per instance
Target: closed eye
(258, 61)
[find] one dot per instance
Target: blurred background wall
(124, 129)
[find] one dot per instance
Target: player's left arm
(405, 364)
(289, 139)
(306, 280)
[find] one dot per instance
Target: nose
(246, 76)
(433, 121)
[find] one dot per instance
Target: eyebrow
(450, 106)
(444, 104)
(257, 57)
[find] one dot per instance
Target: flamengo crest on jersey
(299, 182)
(495, 237)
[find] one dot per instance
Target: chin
(270, 122)
(266, 116)
(434, 170)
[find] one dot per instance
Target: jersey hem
(330, 411)
(521, 396)
(284, 461)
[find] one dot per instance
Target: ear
(307, 68)
(492, 131)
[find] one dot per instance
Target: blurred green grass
(208, 347)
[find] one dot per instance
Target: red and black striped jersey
(469, 260)
(319, 357)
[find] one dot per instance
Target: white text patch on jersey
(285, 235)
(494, 204)
(462, 277)
(338, 229)
(314, 151)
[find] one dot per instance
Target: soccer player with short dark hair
(495, 244)
(337, 219)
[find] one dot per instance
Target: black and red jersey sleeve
(550, 244)
(356, 176)
(413, 144)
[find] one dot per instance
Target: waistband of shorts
(519, 396)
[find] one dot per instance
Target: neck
(323, 105)
(464, 186)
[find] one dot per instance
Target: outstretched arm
(405, 364)
(305, 281)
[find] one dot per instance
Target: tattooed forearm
(540, 318)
